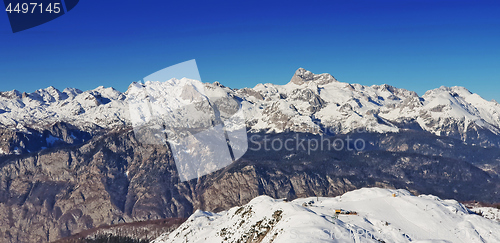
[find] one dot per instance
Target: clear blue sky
(417, 45)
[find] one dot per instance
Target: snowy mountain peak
(50, 94)
(364, 215)
(302, 76)
(13, 94)
(457, 90)
(72, 92)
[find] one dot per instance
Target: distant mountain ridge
(309, 102)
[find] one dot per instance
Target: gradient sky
(417, 45)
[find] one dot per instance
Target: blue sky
(417, 45)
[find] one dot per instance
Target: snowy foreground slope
(380, 217)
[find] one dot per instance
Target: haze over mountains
(69, 160)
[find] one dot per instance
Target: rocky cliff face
(113, 179)
(108, 180)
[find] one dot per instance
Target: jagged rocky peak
(396, 93)
(50, 94)
(216, 83)
(72, 92)
(453, 91)
(190, 93)
(108, 92)
(13, 94)
(302, 76)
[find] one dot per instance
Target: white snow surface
(488, 212)
(380, 217)
(296, 106)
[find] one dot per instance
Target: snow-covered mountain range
(105, 107)
(366, 215)
(63, 153)
(313, 103)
